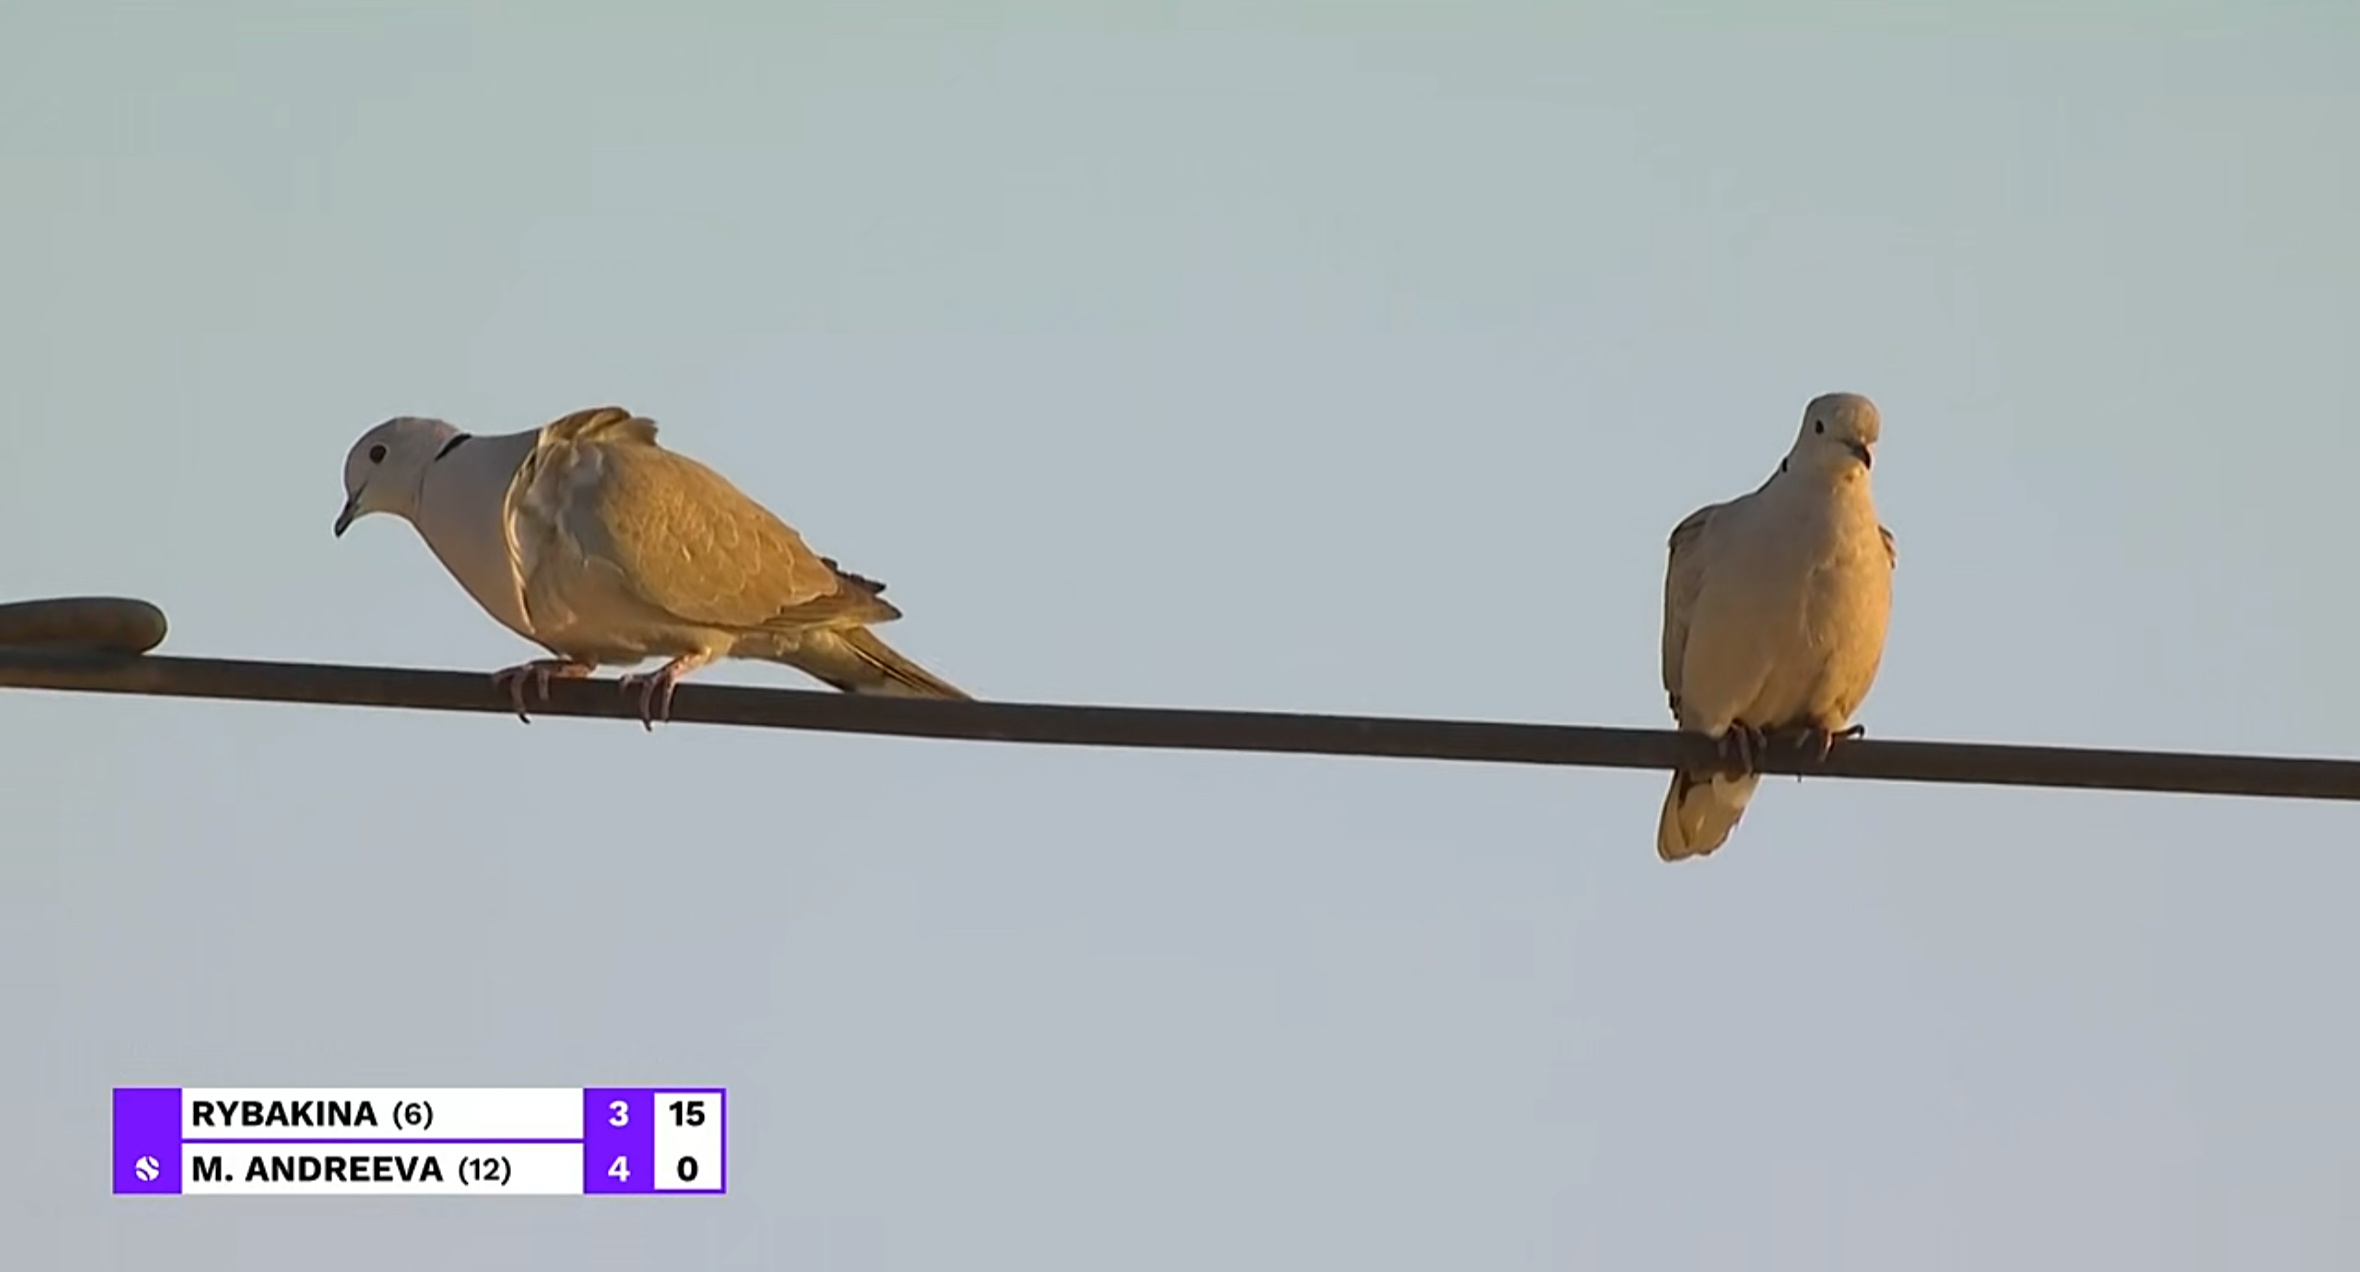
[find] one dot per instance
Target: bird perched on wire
(1774, 614)
(589, 539)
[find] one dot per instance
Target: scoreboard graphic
(332, 1141)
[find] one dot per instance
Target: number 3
(622, 1114)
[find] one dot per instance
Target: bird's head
(1838, 437)
(386, 468)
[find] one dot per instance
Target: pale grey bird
(1774, 613)
(587, 538)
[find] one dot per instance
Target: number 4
(620, 1172)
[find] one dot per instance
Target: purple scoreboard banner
(323, 1141)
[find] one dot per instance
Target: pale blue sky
(1215, 356)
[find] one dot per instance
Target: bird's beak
(352, 510)
(1861, 449)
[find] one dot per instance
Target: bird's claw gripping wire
(655, 687)
(539, 671)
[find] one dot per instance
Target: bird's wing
(602, 514)
(1684, 575)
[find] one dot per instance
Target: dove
(588, 538)
(1774, 614)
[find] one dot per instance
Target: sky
(1274, 357)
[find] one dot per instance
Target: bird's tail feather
(1699, 812)
(854, 660)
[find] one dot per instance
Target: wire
(95, 671)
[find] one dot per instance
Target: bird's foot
(1746, 741)
(1818, 742)
(655, 687)
(540, 672)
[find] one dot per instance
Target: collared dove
(589, 539)
(1774, 613)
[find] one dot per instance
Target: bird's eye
(377, 453)
(1817, 426)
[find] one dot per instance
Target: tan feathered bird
(588, 538)
(1774, 613)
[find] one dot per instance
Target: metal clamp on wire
(72, 627)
